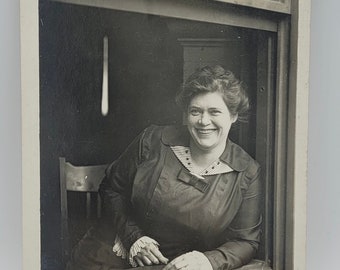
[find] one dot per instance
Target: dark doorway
(149, 57)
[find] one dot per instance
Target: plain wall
(10, 137)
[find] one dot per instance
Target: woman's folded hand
(190, 261)
(149, 255)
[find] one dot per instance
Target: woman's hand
(149, 255)
(190, 261)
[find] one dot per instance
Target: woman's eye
(215, 112)
(194, 112)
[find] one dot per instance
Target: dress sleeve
(244, 231)
(115, 191)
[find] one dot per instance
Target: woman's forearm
(115, 191)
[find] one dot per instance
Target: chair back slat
(84, 178)
(99, 206)
(88, 205)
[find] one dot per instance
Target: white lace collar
(184, 156)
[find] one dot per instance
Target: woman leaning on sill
(181, 197)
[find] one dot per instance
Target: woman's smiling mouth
(205, 131)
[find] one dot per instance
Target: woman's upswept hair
(215, 79)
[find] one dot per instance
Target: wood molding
(282, 6)
(212, 11)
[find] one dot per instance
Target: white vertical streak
(105, 88)
(298, 132)
(30, 134)
(301, 133)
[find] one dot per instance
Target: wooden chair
(84, 179)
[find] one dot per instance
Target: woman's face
(209, 121)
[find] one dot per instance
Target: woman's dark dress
(148, 192)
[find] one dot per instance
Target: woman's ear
(234, 118)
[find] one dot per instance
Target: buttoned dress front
(148, 192)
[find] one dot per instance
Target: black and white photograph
(170, 134)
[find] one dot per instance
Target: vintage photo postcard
(164, 134)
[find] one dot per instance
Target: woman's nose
(205, 119)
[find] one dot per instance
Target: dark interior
(148, 60)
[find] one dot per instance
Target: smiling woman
(212, 100)
(209, 122)
(183, 196)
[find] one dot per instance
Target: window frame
(290, 21)
(281, 6)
